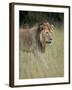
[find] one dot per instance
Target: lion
(36, 37)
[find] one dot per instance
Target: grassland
(42, 65)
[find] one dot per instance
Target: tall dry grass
(43, 65)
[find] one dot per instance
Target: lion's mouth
(48, 42)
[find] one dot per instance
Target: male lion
(45, 34)
(36, 37)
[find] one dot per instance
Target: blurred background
(31, 18)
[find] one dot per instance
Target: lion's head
(45, 34)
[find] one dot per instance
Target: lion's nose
(48, 35)
(46, 32)
(50, 38)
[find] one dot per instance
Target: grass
(42, 65)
